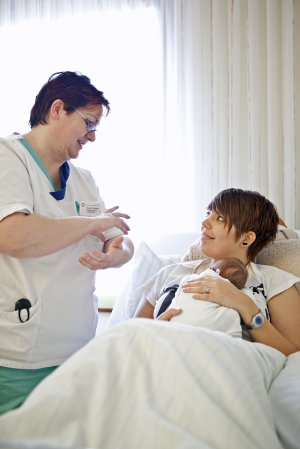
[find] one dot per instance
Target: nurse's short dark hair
(247, 210)
(73, 88)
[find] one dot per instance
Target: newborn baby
(206, 313)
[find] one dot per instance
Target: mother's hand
(168, 314)
(217, 290)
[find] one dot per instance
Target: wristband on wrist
(257, 321)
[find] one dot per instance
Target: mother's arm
(282, 333)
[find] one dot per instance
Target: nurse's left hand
(114, 257)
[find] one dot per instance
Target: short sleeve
(15, 186)
(153, 288)
(276, 280)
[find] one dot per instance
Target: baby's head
(232, 269)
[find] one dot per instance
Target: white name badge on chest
(90, 208)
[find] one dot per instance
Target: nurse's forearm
(27, 236)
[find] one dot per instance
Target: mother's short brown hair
(247, 210)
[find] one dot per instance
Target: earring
(245, 243)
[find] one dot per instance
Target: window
(120, 50)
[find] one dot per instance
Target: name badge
(89, 208)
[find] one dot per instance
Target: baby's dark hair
(232, 269)
(247, 211)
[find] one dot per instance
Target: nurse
(55, 232)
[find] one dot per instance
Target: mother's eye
(220, 218)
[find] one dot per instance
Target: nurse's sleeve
(15, 186)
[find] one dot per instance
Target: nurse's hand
(108, 220)
(118, 251)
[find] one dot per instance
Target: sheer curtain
(230, 76)
(117, 43)
(202, 95)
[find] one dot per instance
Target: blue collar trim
(64, 175)
(64, 172)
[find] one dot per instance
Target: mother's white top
(262, 284)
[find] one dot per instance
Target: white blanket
(153, 385)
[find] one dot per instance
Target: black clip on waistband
(21, 304)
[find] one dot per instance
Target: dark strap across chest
(168, 299)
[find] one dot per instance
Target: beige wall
(297, 93)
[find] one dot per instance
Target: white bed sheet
(285, 399)
(152, 384)
(285, 391)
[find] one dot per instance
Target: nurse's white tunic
(63, 316)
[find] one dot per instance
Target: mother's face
(216, 240)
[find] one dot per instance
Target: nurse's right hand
(108, 220)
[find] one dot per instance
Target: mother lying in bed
(153, 384)
(239, 223)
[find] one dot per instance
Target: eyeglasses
(91, 127)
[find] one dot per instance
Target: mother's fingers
(168, 314)
(198, 283)
(203, 279)
(202, 286)
(199, 289)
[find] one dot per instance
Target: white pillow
(283, 254)
(146, 263)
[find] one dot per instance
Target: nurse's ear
(56, 109)
(247, 238)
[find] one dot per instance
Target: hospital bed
(148, 384)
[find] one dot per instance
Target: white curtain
(217, 108)
(117, 43)
(230, 77)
